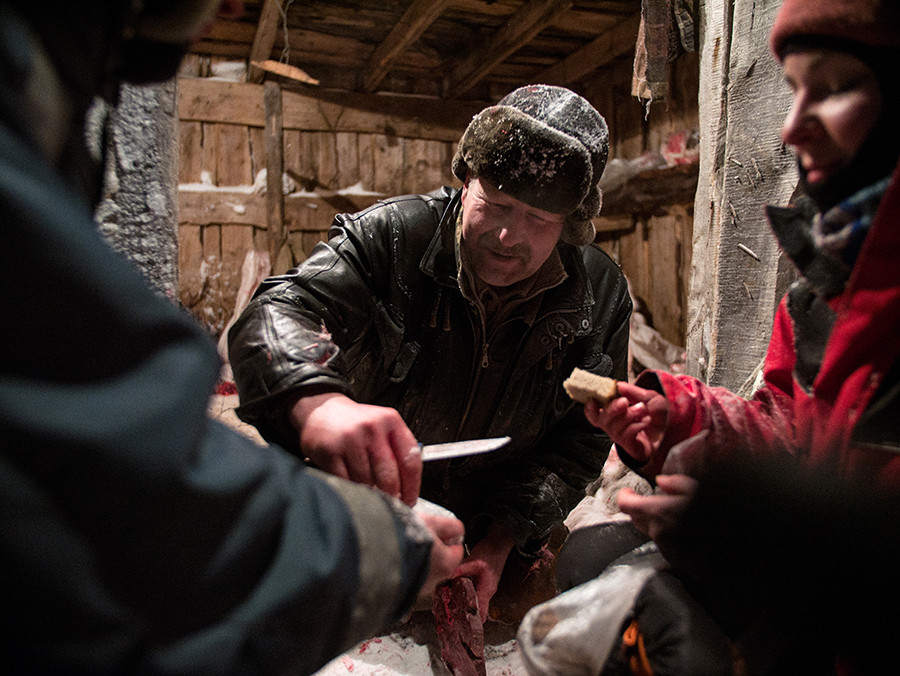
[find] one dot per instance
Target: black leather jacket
(384, 289)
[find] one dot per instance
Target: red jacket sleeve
(733, 424)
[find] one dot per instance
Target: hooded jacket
(377, 313)
(841, 418)
(137, 535)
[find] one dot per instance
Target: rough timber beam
(522, 26)
(618, 40)
(264, 40)
(415, 21)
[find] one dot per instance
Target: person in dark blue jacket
(136, 534)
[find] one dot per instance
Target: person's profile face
(836, 104)
(504, 239)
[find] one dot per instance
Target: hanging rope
(286, 50)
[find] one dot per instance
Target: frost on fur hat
(868, 23)
(545, 146)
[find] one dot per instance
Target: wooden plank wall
(222, 210)
(650, 235)
(342, 155)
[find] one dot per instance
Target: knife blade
(457, 449)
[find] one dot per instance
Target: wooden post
(735, 284)
(274, 170)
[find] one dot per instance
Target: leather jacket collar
(439, 260)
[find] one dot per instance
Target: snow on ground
(413, 650)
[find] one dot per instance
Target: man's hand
(484, 565)
(367, 444)
(635, 420)
(656, 514)
(447, 550)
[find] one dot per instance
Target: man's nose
(510, 232)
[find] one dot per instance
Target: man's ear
(465, 186)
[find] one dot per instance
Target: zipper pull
(485, 362)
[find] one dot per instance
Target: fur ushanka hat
(545, 146)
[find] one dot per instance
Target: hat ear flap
(459, 166)
(578, 229)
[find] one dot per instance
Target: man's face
(836, 104)
(505, 240)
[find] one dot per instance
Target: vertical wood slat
(190, 261)
(190, 148)
(291, 152)
(211, 312)
(347, 155)
(232, 154)
(366, 153)
(326, 159)
(308, 160)
(232, 162)
(388, 162)
(664, 253)
(236, 241)
(274, 170)
(742, 167)
(209, 163)
(257, 151)
(424, 170)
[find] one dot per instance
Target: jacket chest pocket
(397, 355)
(403, 362)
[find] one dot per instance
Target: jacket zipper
(476, 376)
(485, 360)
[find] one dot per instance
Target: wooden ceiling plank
(522, 26)
(618, 40)
(264, 40)
(415, 21)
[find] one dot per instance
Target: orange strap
(635, 651)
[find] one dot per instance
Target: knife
(456, 449)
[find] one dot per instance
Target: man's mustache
(493, 244)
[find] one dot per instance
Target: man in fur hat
(455, 315)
